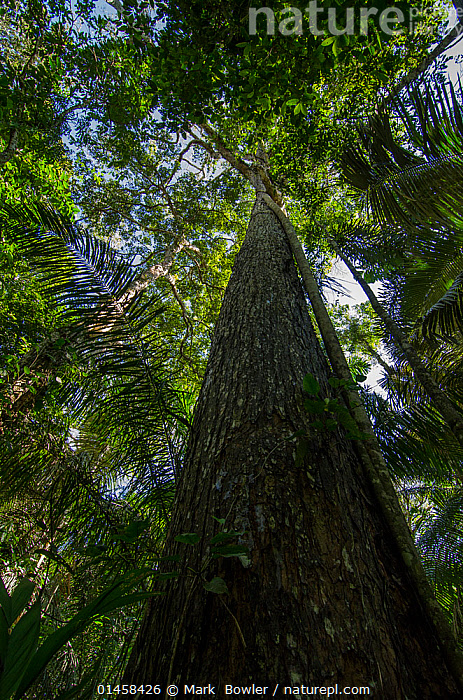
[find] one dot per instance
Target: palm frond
(79, 272)
(440, 542)
(434, 513)
(414, 440)
(421, 182)
(122, 394)
(445, 318)
(428, 296)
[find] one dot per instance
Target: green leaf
(108, 601)
(381, 76)
(21, 597)
(337, 46)
(22, 643)
(230, 550)
(224, 536)
(313, 406)
(133, 531)
(310, 384)
(95, 550)
(333, 406)
(5, 604)
(217, 585)
(318, 425)
(4, 638)
(188, 538)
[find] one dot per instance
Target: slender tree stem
(435, 393)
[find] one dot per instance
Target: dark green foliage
(408, 164)
(445, 317)
(421, 182)
(100, 503)
(435, 517)
(21, 662)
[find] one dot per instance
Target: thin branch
(452, 38)
(194, 142)
(193, 165)
(180, 301)
(236, 162)
(257, 175)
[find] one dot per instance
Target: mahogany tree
(295, 577)
(293, 564)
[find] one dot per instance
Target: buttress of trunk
(323, 596)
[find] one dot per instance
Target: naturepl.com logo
(319, 20)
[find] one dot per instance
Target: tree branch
(10, 150)
(257, 176)
(452, 38)
(161, 269)
(236, 162)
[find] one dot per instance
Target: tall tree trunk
(323, 596)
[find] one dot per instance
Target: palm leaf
(78, 271)
(439, 539)
(125, 401)
(428, 295)
(421, 183)
(414, 440)
(445, 318)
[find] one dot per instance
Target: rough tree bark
(323, 596)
